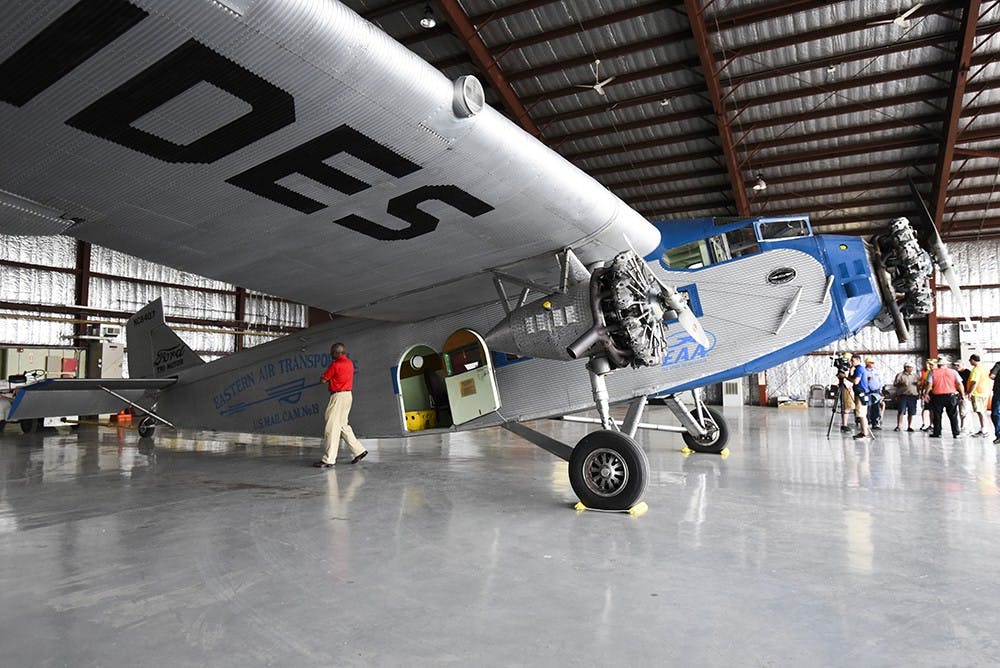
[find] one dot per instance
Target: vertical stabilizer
(154, 350)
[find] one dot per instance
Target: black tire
(714, 442)
(608, 471)
(147, 427)
(31, 425)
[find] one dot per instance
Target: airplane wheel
(608, 471)
(714, 442)
(31, 425)
(147, 427)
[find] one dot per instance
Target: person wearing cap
(859, 377)
(978, 387)
(946, 391)
(906, 396)
(876, 406)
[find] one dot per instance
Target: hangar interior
(457, 548)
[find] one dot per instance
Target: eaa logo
(683, 349)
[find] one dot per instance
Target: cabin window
(688, 256)
(741, 242)
(783, 229)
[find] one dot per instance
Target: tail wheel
(716, 432)
(31, 425)
(147, 427)
(608, 471)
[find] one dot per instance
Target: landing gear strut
(608, 470)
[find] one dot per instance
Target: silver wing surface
(79, 396)
(288, 147)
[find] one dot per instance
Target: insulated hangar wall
(978, 266)
(56, 292)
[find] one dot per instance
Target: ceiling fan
(598, 85)
(903, 20)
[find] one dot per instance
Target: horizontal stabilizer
(88, 396)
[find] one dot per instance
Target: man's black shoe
(359, 457)
(323, 465)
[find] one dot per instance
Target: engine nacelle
(619, 314)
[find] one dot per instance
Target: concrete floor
(230, 550)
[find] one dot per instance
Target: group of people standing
(941, 389)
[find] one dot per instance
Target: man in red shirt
(339, 377)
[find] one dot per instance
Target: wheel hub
(605, 472)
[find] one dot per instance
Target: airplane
(480, 279)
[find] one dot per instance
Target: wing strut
(138, 407)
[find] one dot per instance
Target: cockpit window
(783, 229)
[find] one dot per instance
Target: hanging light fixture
(428, 21)
(761, 184)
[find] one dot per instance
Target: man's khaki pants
(336, 427)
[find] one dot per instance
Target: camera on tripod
(841, 364)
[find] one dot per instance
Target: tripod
(837, 403)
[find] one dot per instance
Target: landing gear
(705, 430)
(716, 435)
(608, 470)
(146, 427)
(31, 425)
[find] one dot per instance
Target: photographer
(859, 377)
(846, 390)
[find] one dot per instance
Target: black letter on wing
(405, 208)
(71, 39)
(187, 65)
(307, 160)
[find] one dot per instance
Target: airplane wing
(287, 147)
(73, 396)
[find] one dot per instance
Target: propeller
(598, 85)
(903, 20)
(679, 304)
(939, 252)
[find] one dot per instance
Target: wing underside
(73, 396)
(286, 147)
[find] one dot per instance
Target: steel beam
(697, 21)
(953, 111)
(486, 63)
(82, 290)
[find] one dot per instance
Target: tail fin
(154, 350)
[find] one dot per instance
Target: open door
(423, 396)
(469, 377)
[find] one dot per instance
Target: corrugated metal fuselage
(276, 388)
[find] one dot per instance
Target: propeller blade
(939, 252)
(905, 15)
(685, 316)
(605, 82)
(690, 323)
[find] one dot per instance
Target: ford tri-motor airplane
(481, 279)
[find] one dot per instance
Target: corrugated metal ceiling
(833, 104)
